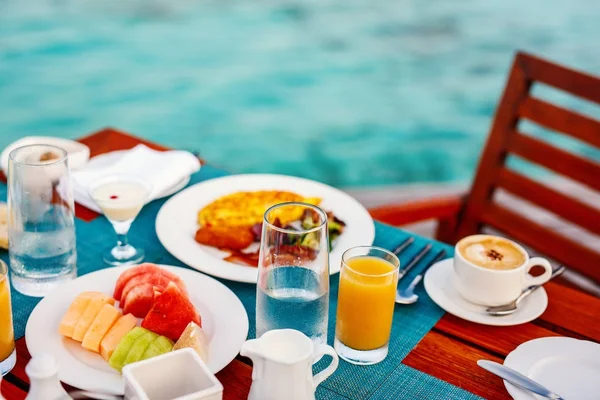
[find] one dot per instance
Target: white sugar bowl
(177, 375)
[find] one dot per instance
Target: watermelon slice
(158, 280)
(138, 270)
(130, 273)
(171, 312)
(139, 300)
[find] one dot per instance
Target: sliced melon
(139, 347)
(105, 319)
(76, 310)
(88, 316)
(170, 314)
(160, 345)
(117, 360)
(121, 328)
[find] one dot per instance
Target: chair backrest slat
(575, 82)
(555, 159)
(561, 120)
(505, 139)
(554, 201)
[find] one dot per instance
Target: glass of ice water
(41, 228)
(293, 271)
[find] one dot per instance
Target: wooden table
(449, 351)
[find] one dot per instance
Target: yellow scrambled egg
(244, 209)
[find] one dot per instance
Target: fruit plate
(224, 320)
(176, 222)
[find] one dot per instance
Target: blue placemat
(388, 379)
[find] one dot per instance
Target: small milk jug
(283, 362)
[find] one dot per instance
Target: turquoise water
(346, 92)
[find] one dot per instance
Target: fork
(415, 260)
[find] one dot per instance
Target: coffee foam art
(493, 254)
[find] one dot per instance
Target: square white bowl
(177, 375)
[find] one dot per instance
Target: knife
(518, 379)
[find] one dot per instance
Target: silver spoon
(408, 295)
(510, 308)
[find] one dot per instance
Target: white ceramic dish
(103, 160)
(569, 367)
(78, 153)
(223, 318)
(176, 221)
(178, 375)
(439, 284)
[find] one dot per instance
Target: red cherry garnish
(114, 197)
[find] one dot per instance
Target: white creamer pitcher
(283, 361)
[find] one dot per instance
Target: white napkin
(162, 170)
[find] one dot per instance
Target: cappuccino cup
(491, 270)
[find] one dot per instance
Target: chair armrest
(443, 209)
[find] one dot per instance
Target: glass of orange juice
(8, 356)
(366, 298)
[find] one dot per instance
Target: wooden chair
(461, 217)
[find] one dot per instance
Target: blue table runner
(389, 379)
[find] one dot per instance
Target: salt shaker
(43, 377)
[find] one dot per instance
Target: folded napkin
(162, 170)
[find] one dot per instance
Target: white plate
(439, 285)
(223, 318)
(569, 367)
(78, 152)
(176, 222)
(103, 160)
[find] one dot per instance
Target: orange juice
(7, 342)
(366, 302)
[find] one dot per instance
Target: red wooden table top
(449, 351)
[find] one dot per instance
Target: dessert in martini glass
(121, 197)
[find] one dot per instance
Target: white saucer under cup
(569, 367)
(439, 284)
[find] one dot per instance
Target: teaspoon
(408, 295)
(510, 308)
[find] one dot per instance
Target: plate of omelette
(214, 226)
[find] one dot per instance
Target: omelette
(242, 210)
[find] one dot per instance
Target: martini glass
(121, 197)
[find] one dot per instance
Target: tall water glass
(293, 271)
(41, 228)
(8, 355)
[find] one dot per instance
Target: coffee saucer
(439, 284)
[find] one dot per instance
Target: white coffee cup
(495, 287)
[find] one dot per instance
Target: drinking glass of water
(41, 228)
(293, 271)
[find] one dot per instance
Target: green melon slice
(117, 359)
(160, 345)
